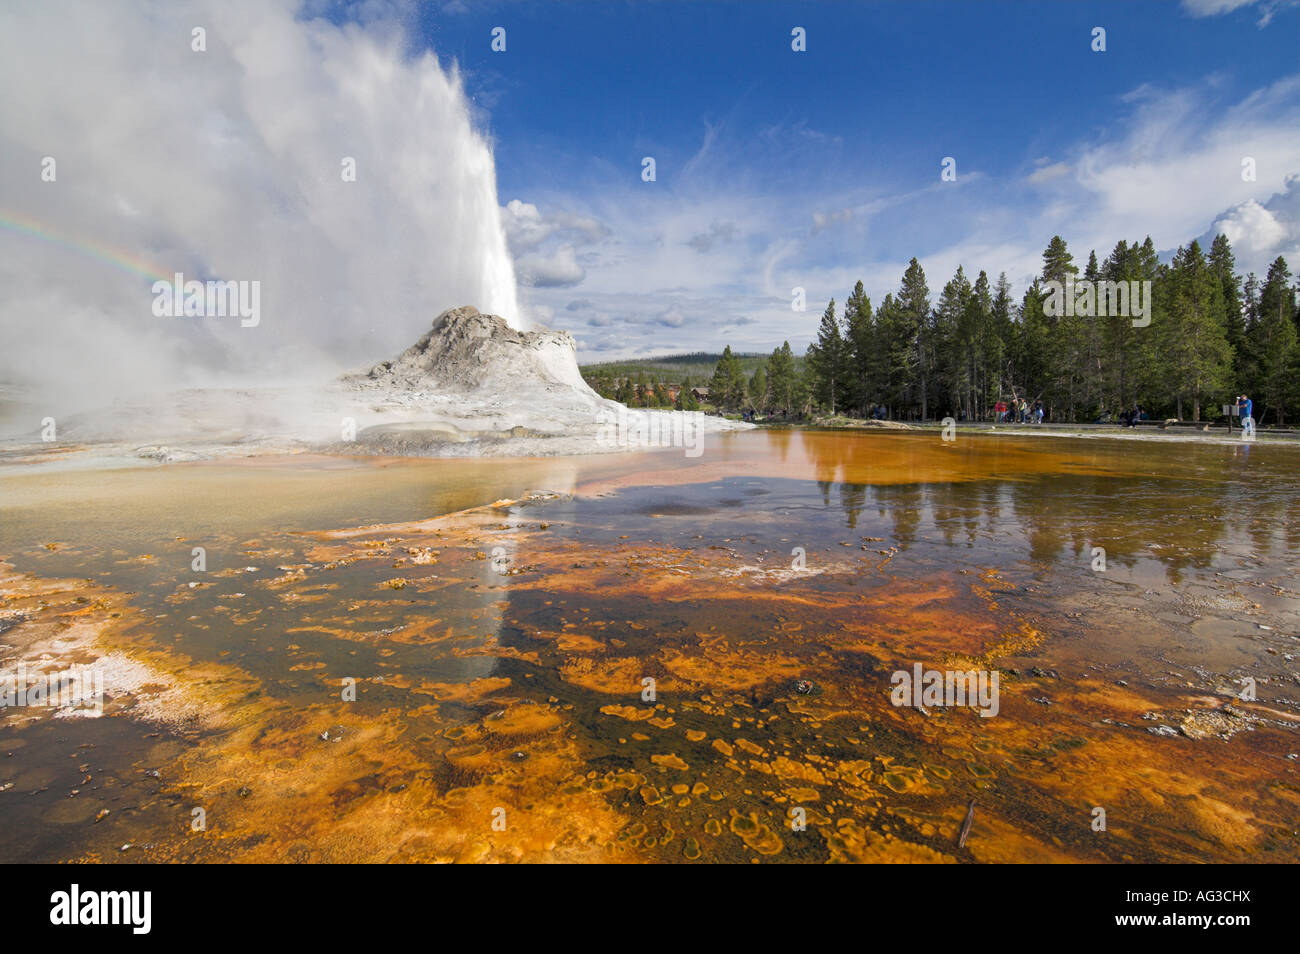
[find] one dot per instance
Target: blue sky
(775, 169)
(778, 169)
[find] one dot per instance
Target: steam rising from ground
(226, 164)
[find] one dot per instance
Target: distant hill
(698, 366)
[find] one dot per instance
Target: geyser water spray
(335, 165)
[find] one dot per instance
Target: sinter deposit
(471, 386)
(474, 380)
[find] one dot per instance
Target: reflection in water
(500, 654)
(1177, 504)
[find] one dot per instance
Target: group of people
(1131, 417)
(1128, 418)
(1019, 411)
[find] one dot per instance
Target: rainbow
(124, 261)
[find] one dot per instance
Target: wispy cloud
(560, 269)
(1211, 8)
(1048, 172)
(684, 266)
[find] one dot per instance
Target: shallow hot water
(501, 654)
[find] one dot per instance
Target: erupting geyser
(332, 163)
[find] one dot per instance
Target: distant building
(700, 394)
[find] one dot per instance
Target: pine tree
(757, 390)
(895, 353)
(1058, 339)
(781, 385)
(953, 343)
(1003, 347)
(801, 391)
(1149, 373)
(1038, 352)
(860, 350)
(727, 388)
(827, 361)
(1088, 372)
(1275, 343)
(1131, 355)
(1118, 333)
(915, 329)
(1224, 267)
(1195, 346)
(1058, 263)
(983, 349)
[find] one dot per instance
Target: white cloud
(822, 220)
(1173, 166)
(1260, 232)
(1210, 8)
(558, 270)
(1250, 228)
(526, 227)
(1048, 173)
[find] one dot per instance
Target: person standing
(1247, 408)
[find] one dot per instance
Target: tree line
(642, 392)
(1212, 335)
